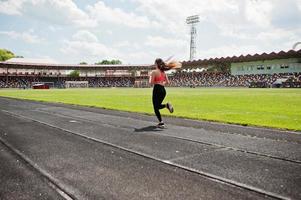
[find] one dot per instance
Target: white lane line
(247, 127)
(52, 182)
(197, 154)
(82, 119)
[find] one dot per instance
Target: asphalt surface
(19, 180)
(75, 152)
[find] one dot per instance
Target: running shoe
(169, 107)
(161, 125)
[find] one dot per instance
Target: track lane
(89, 169)
(20, 178)
(193, 169)
(287, 151)
(123, 133)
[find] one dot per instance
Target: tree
(103, 62)
(109, 62)
(74, 74)
(83, 63)
(6, 54)
(116, 62)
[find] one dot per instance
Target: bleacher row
(31, 73)
(27, 82)
(220, 79)
(178, 79)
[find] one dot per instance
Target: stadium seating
(218, 79)
(178, 79)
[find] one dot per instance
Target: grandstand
(265, 70)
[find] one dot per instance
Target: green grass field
(279, 108)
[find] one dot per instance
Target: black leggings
(159, 94)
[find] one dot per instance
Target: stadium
(224, 123)
(59, 126)
(280, 69)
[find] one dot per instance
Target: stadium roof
(29, 64)
(242, 58)
(23, 63)
(31, 60)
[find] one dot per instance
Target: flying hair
(167, 66)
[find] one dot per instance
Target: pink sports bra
(160, 79)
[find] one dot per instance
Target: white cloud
(223, 51)
(276, 34)
(260, 35)
(288, 14)
(54, 28)
(11, 7)
(140, 30)
(28, 37)
(259, 12)
(123, 44)
(103, 13)
(85, 46)
(139, 57)
(171, 14)
(161, 42)
(66, 12)
(92, 51)
(270, 25)
(62, 12)
(85, 36)
(109, 32)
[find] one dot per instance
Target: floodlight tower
(192, 20)
(295, 45)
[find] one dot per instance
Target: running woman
(159, 79)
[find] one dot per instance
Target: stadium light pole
(295, 45)
(192, 21)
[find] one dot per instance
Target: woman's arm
(167, 80)
(151, 78)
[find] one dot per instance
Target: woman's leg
(159, 94)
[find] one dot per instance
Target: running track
(57, 151)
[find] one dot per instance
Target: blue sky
(138, 31)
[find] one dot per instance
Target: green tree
(109, 62)
(103, 62)
(6, 54)
(116, 62)
(74, 74)
(83, 63)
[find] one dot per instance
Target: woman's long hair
(167, 66)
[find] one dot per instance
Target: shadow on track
(147, 129)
